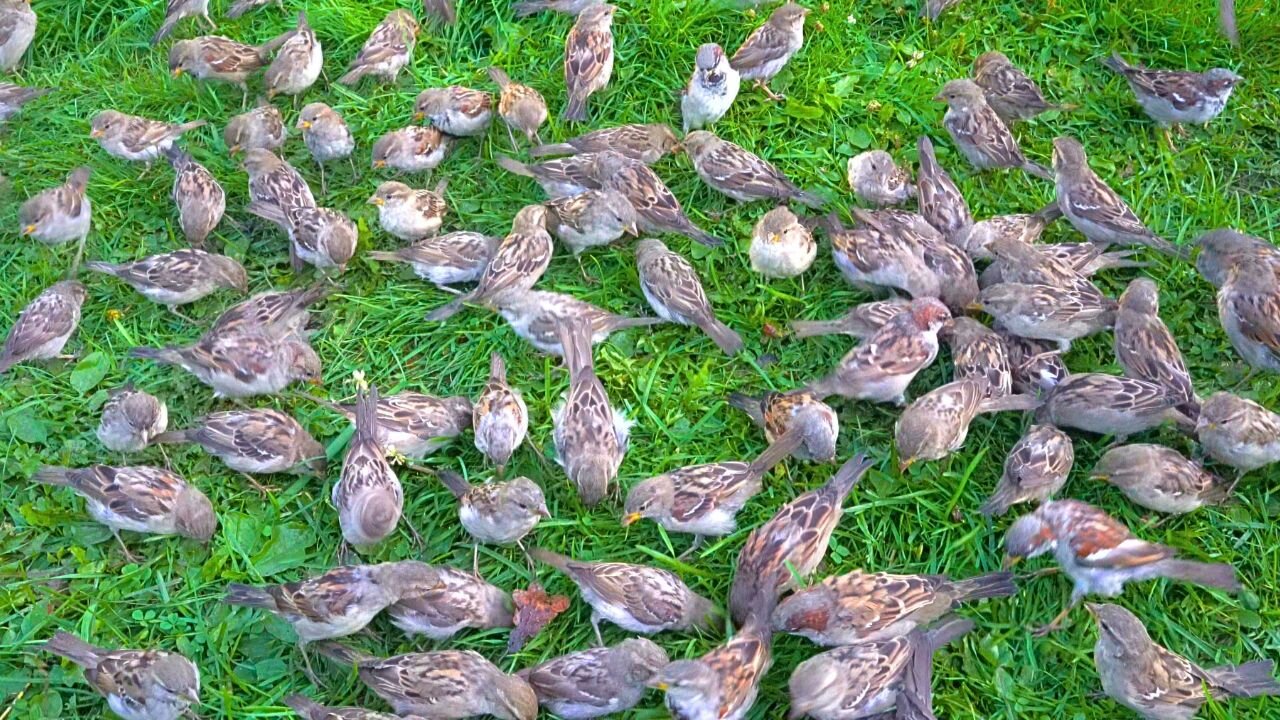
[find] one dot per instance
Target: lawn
(864, 79)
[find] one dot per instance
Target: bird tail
(447, 311)
(1008, 403)
(1002, 498)
(555, 560)
(915, 702)
(184, 127)
(813, 200)
(575, 338)
(1214, 575)
(51, 475)
(384, 255)
(239, 8)
(984, 587)
(74, 649)
(747, 404)
(723, 336)
(172, 437)
(165, 29)
(367, 415)
(1118, 259)
(338, 652)
(441, 10)
(1227, 17)
(1248, 680)
(168, 355)
(102, 267)
(270, 212)
(499, 76)
(1117, 63)
(812, 328)
(575, 110)
(525, 9)
(353, 75)
(779, 449)
(555, 149)
(177, 157)
(1038, 170)
(1168, 248)
(622, 322)
(248, 596)
(455, 482)
(696, 233)
(849, 474)
(305, 706)
(514, 166)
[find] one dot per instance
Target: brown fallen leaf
(534, 610)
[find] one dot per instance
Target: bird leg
(417, 538)
(590, 280)
(1056, 624)
(75, 262)
(306, 663)
(764, 87)
(174, 309)
(127, 555)
(264, 490)
(595, 625)
(512, 136)
(533, 569)
(698, 540)
(344, 553)
(324, 186)
(209, 21)
(475, 560)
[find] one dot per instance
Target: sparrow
(567, 7)
(589, 434)
(274, 183)
(1238, 432)
(243, 364)
(456, 110)
(261, 127)
(881, 368)
(254, 442)
(13, 97)
(872, 679)
(591, 219)
(321, 237)
(877, 181)
(368, 495)
(790, 545)
(276, 314)
(461, 601)
(499, 416)
(1045, 312)
(675, 293)
(1147, 350)
(411, 149)
(561, 177)
(131, 419)
(1247, 308)
(1101, 555)
(1175, 97)
(414, 424)
(177, 10)
(45, 325)
(199, 196)
(588, 58)
(646, 143)
(1221, 250)
(134, 138)
(941, 202)
(1083, 258)
(1033, 264)
(455, 257)
(60, 214)
(179, 277)
(1111, 405)
(1008, 90)
(722, 684)
(1036, 469)
(776, 413)
(308, 709)
(1093, 208)
(657, 208)
(739, 173)
(326, 135)
(441, 11)
(636, 598)
(298, 62)
(894, 249)
(520, 107)
(497, 513)
(711, 90)
(1024, 228)
(387, 51)
(781, 247)
(515, 267)
(407, 213)
(861, 321)
(978, 351)
(213, 57)
(1037, 366)
(536, 316)
(1160, 478)
(17, 30)
(1158, 684)
(1227, 19)
(240, 7)
(979, 133)
(441, 684)
(862, 607)
(597, 682)
(937, 423)
(932, 9)
(771, 46)
(138, 684)
(140, 499)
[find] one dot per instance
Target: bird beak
(95, 133)
(1010, 561)
(419, 116)
(677, 148)
(629, 519)
(177, 72)
(234, 149)
(304, 124)
(375, 200)
(1098, 476)
(271, 94)
(633, 230)
(379, 164)
(544, 513)
(973, 307)
(28, 229)
(939, 98)
(658, 685)
(774, 238)
(1092, 608)
(193, 695)
(903, 465)
(316, 381)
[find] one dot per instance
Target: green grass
(864, 79)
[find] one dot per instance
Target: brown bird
(590, 435)
(675, 293)
(1036, 469)
(387, 51)
(1009, 91)
(45, 325)
(461, 601)
(520, 107)
(138, 684)
(771, 46)
(1147, 350)
(588, 58)
(1160, 478)
(722, 684)
(515, 267)
(499, 416)
(368, 496)
(646, 143)
(777, 413)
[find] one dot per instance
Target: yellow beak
(774, 238)
(28, 229)
(234, 149)
(974, 307)
(630, 518)
(177, 72)
(304, 124)
(95, 133)
(377, 201)
(419, 116)
(1010, 561)
(903, 465)
(379, 164)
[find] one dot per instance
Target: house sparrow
(456, 110)
(790, 545)
(1221, 250)
(567, 7)
(254, 442)
(596, 682)
(176, 11)
(588, 58)
(461, 601)
(1146, 349)
(140, 684)
(298, 62)
(275, 183)
(407, 213)
(17, 30)
(536, 316)
(937, 423)
(711, 90)
(933, 9)
(1174, 97)
(1084, 258)
(441, 684)
(561, 177)
(1111, 405)
(657, 208)
(636, 598)
(881, 368)
(213, 57)
(1158, 684)
(499, 416)
(877, 181)
(979, 133)
(134, 138)
(675, 293)
(1032, 264)
(1248, 307)
(387, 51)
(412, 149)
(60, 214)
(455, 257)
(589, 434)
(500, 512)
(179, 277)
(590, 219)
(1100, 554)
(520, 107)
(1008, 90)
(739, 173)
(241, 7)
(308, 709)
(140, 499)
(243, 364)
(646, 143)
(941, 203)
(769, 47)
(1024, 228)
(722, 684)
(861, 321)
(781, 247)
(777, 412)
(873, 679)
(261, 127)
(1036, 469)
(1160, 478)
(441, 11)
(276, 314)
(321, 237)
(978, 351)
(326, 135)
(1093, 208)
(1238, 432)
(894, 249)
(131, 418)
(368, 496)
(45, 325)
(13, 97)
(862, 607)
(515, 267)
(1044, 312)
(199, 196)
(1037, 366)
(414, 424)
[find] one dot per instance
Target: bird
(199, 196)
(13, 97)
(979, 351)
(1222, 249)
(253, 442)
(456, 110)
(515, 267)
(461, 601)
(860, 321)
(502, 512)
(646, 143)
(131, 419)
(1146, 349)
(1037, 366)
(941, 203)
(771, 46)
(1111, 405)
(1238, 432)
(781, 246)
(326, 135)
(309, 709)
(723, 683)
(1023, 228)
(241, 7)
(276, 184)
(444, 260)
(739, 173)
(276, 314)
(411, 149)
(17, 29)
(142, 684)
(262, 127)
(321, 237)
(387, 51)
(596, 682)
(134, 138)
(60, 214)
(45, 325)
(1160, 478)
(567, 7)
(179, 277)
(537, 314)
(675, 293)
(979, 133)
(1177, 97)
(590, 435)
(1008, 90)
(441, 11)
(520, 107)
(1048, 312)
(415, 424)
(711, 89)
(937, 423)
(560, 177)
(1247, 307)
(778, 412)
(588, 58)
(297, 64)
(408, 213)
(657, 209)
(591, 219)
(242, 365)
(213, 57)
(499, 416)
(877, 181)
(176, 11)
(368, 495)
(1035, 470)
(933, 9)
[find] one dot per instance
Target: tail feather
(813, 200)
(447, 311)
(1227, 17)
(166, 355)
(525, 9)
(696, 233)
(1038, 170)
(102, 267)
(74, 649)
(621, 322)
(184, 127)
(499, 77)
(1010, 403)
(240, 7)
(555, 560)
(575, 338)
(513, 166)
(1215, 575)
(1002, 498)
(1248, 680)
(848, 475)
(813, 328)
(441, 10)
(945, 633)
(172, 437)
(305, 707)
(165, 28)
(455, 482)
(575, 110)
(747, 404)
(270, 212)
(984, 587)
(385, 255)
(779, 449)
(367, 415)
(556, 149)
(1117, 63)
(338, 652)
(249, 596)
(497, 368)
(51, 475)
(354, 75)
(723, 336)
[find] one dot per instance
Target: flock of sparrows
(883, 628)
